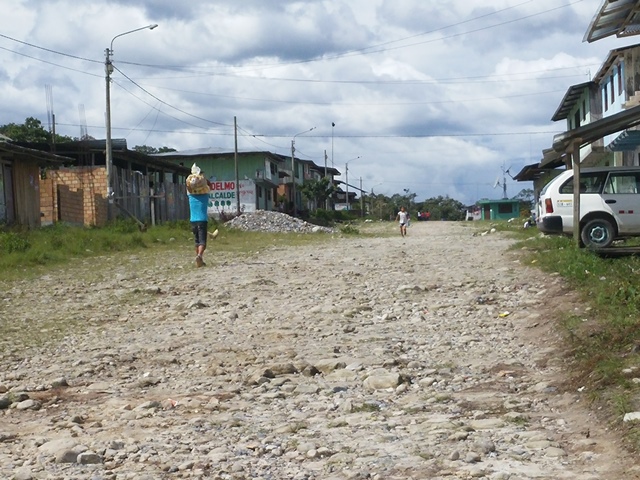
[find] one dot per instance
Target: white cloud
(434, 96)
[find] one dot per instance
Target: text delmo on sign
(222, 196)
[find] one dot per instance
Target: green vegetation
(30, 251)
(30, 131)
(349, 229)
(603, 341)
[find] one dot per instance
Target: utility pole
(326, 200)
(346, 183)
(361, 200)
(332, 127)
(293, 170)
(235, 158)
(108, 70)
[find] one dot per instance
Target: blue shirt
(198, 207)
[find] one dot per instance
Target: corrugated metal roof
(593, 131)
(569, 100)
(530, 172)
(38, 155)
(628, 140)
(611, 59)
(614, 17)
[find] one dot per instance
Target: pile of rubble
(276, 222)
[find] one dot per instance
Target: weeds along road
(428, 357)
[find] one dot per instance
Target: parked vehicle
(609, 205)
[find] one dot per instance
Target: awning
(591, 132)
(551, 159)
(573, 94)
(530, 173)
(628, 140)
(615, 17)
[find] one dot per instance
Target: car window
(589, 183)
(622, 183)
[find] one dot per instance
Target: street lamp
(293, 168)
(108, 68)
(346, 172)
(332, 128)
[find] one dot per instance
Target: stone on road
(427, 357)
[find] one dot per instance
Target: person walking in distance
(403, 219)
(198, 192)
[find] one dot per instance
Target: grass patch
(604, 339)
(349, 229)
(27, 252)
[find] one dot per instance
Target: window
(619, 79)
(622, 183)
(589, 183)
(613, 90)
(272, 168)
(259, 190)
(505, 208)
(584, 110)
(576, 119)
(605, 97)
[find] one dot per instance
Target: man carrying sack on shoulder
(198, 192)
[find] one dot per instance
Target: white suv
(609, 205)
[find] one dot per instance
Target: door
(7, 212)
(487, 212)
(621, 195)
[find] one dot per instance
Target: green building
(499, 209)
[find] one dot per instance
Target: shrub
(14, 242)
(349, 230)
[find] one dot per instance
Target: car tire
(597, 233)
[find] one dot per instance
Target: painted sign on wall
(222, 197)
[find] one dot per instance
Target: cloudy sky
(432, 97)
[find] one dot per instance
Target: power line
(49, 63)
(260, 136)
(168, 104)
(48, 50)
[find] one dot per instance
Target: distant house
(499, 209)
(582, 104)
(20, 183)
(75, 191)
(250, 180)
(311, 171)
(619, 89)
(614, 89)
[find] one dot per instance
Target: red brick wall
(75, 195)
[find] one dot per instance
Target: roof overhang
(551, 159)
(569, 100)
(530, 173)
(628, 140)
(42, 158)
(614, 17)
(593, 131)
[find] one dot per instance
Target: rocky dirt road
(428, 357)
